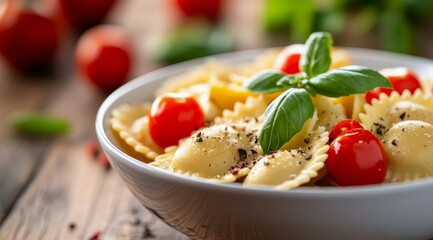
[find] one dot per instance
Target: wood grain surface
(51, 187)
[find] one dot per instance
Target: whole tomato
(83, 14)
(356, 157)
(288, 60)
(342, 127)
(28, 41)
(401, 78)
(208, 9)
(174, 116)
(104, 56)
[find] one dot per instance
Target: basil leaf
(317, 56)
(347, 80)
(266, 82)
(290, 81)
(285, 117)
(38, 124)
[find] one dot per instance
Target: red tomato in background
(52, 10)
(104, 56)
(83, 14)
(342, 127)
(288, 60)
(28, 41)
(174, 116)
(356, 157)
(209, 9)
(401, 79)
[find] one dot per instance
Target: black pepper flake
(254, 152)
(308, 156)
(242, 153)
(402, 115)
(306, 140)
(394, 142)
(198, 137)
(147, 233)
(379, 131)
(72, 226)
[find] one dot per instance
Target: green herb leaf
(37, 123)
(290, 81)
(285, 117)
(266, 81)
(347, 80)
(317, 57)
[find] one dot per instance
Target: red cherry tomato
(83, 14)
(401, 79)
(209, 9)
(28, 41)
(343, 126)
(374, 94)
(288, 60)
(356, 157)
(104, 56)
(174, 116)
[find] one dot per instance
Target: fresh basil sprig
(286, 115)
(316, 59)
(284, 118)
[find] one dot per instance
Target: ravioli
(223, 152)
(131, 124)
(291, 168)
(403, 123)
(409, 149)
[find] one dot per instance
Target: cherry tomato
(401, 78)
(104, 56)
(288, 60)
(83, 14)
(174, 116)
(28, 41)
(374, 94)
(356, 157)
(343, 126)
(209, 9)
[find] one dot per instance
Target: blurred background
(170, 31)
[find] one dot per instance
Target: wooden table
(50, 188)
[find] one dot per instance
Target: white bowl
(206, 210)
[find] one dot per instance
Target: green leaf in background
(285, 117)
(38, 124)
(267, 81)
(277, 14)
(302, 19)
(190, 41)
(294, 16)
(317, 57)
(397, 34)
(347, 80)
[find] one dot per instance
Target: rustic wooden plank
(71, 188)
(21, 156)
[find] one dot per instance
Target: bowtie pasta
(226, 148)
